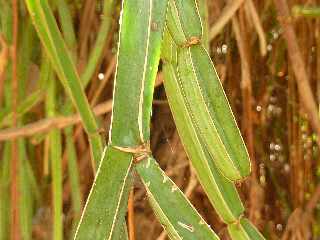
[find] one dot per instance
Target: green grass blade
(244, 230)
(73, 174)
(51, 38)
(5, 189)
(33, 182)
(5, 200)
(306, 11)
(107, 200)
(95, 55)
(30, 101)
(176, 214)
(142, 48)
(26, 49)
(6, 20)
(26, 199)
(67, 25)
(56, 171)
(55, 160)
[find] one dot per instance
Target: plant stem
(15, 166)
(298, 66)
(55, 159)
(306, 11)
(51, 38)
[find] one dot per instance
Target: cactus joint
(192, 41)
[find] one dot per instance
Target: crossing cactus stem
(204, 118)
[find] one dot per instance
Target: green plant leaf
(107, 201)
(142, 23)
(176, 214)
(221, 192)
(211, 113)
(55, 159)
(130, 123)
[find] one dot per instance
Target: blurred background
(267, 54)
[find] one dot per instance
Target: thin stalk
(4, 56)
(52, 40)
(306, 11)
(67, 25)
(28, 44)
(131, 225)
(225, 16)
(55, 159)
(73, 174)
(97, 50)
(33, 182)
(298, 66)
(258, 26)
(45, 125)
(56, 171)
(5, 188)
(6, 20)
(70, 39)
(15, 166)
(27, 199)
(24, 107)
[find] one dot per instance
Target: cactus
(204, 119)
(200, 108)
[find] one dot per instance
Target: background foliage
(269, 73)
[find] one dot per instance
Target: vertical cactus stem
(115, 74)
(142, 69)
(174, 211)
(140, 117)
(221, 192)
(190, 82)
